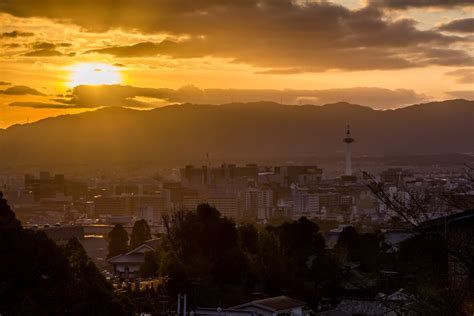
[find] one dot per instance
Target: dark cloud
(12, 45)
(446, 57)
(41, 105)
(130, 96)
(44, 53)
(463, 76)
(5, 83)
(21, 90)
(47, 45)
(460, 26)
(15, 34)
(278, 35)
(43, 45)
(407, 4)
(462, 94)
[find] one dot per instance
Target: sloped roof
(364, 307)
(136, 255)
(396, 236)
(333, 312)
(130, 258)
(331, 239)
(154, 243)
(274, 304)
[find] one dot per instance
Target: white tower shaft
(348, 171)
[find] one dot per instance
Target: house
(331, 237)
(396, 304)
(202, 311)
(279, 305)
(127, 265)
(394, 237)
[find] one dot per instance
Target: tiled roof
(279, 303)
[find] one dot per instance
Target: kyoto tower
(348, 140)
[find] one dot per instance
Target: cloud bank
(20, 90)
(460, 26)
(281, 36)
(15, 34)
(462, 76)
(137, 97)
(407, 4)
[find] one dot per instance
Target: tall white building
(258, 202)
(305, 202)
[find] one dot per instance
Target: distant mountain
(239, 131)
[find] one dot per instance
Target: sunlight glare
(93, 74)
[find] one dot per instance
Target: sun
(93, 74)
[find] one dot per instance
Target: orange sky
(376, 53)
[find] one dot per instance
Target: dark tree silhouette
(248, 236)
(39, 278)
(118, 241)
(98, 294)
(151, 265)
(140, 234)
(456, 236)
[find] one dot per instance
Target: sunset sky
(59, 56)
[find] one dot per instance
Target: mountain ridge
(253, 130)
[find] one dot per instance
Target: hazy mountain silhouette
(239, 131)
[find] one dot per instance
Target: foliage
(40, 278)
(140, 234)
(151, 265)
(118, 241)
(248, 236)
(98, 294)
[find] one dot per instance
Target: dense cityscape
(328, 224)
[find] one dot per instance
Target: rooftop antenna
(208, 160)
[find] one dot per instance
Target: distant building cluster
(241, 192)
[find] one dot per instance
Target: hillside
(235, 131)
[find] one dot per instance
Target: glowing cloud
(93, 74)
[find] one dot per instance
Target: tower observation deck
(348, 140)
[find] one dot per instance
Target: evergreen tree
(118, 241)
(39, 278)
(99, 294)
(140, 234)
(248, 236)
(7, 216)
(151, 265)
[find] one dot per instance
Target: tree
(248, 236)
(349, 240)
(140, 234)
(151, 265)
(89, 285)
(270, 262)
(203, 246)
(38, 278)
(416, 209)
(118, 241)
(7, 216)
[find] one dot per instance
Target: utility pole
(184, 305)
